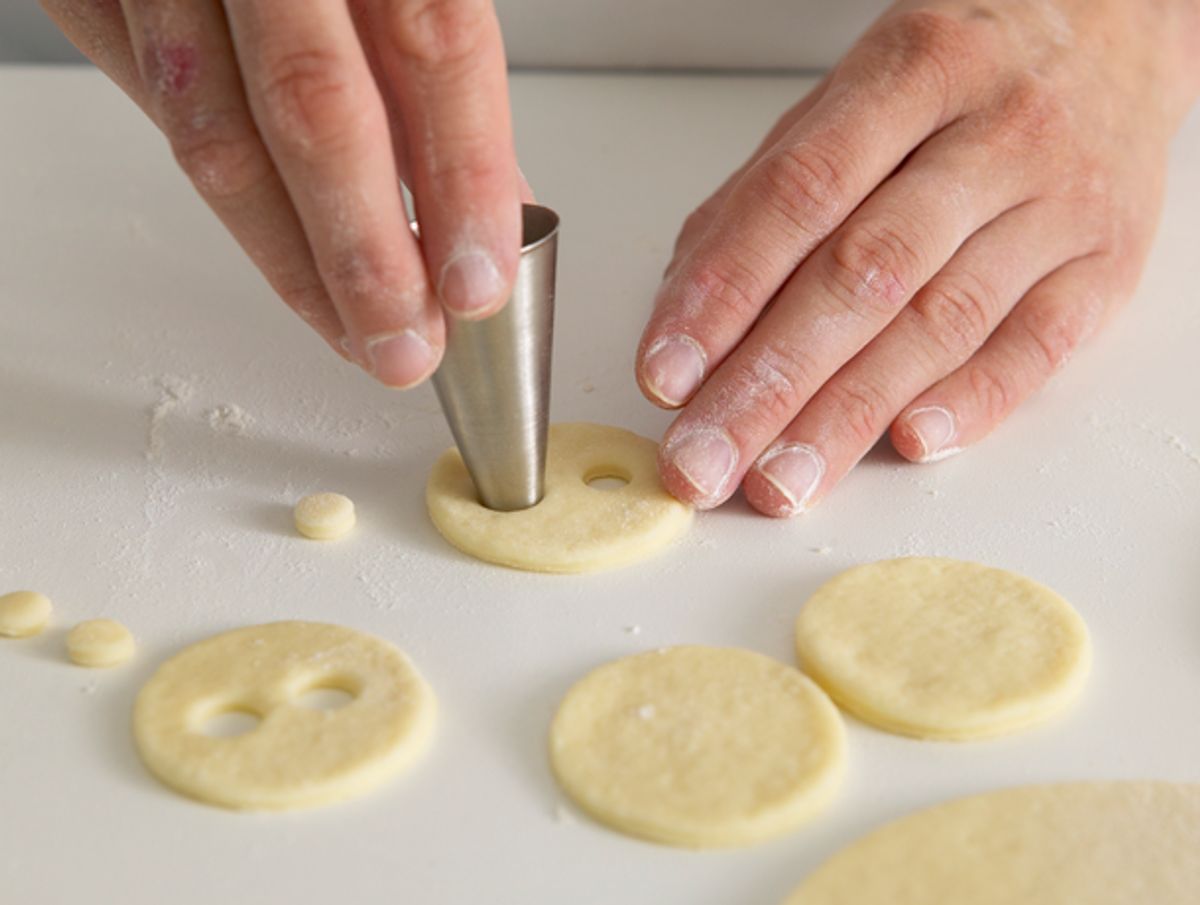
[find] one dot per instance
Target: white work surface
(118, 289)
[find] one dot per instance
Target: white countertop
(115, 282)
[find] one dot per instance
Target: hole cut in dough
(1091, 843)
(698, 746)
(297, 756)
(229, 722)
(325, 698)
(606, 477)
(576, 527)
(943, 649)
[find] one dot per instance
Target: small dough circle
(943, 649)
(698, 746)
(1099, 843)
(24, 613)
(296, 756)
(100, 643)
(324, 516)
(575, 527)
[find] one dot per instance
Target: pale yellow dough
(23, 613)
(296, 756)
(100, 643)
(938, 648)
(576, 527)
(698, 746)
(1118, 843)
(324, 516)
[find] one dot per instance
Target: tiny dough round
(943, 649)
(698, 746)
(1099, 843)
(575, 527)
(324, 516)
(296, 756)
(100, 643)
(23, 613)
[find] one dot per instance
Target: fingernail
(400, 360)
(934, 428)
(673, 368)
(706, 459)
(470, 281)
(795, 470)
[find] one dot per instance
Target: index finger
(444, 65)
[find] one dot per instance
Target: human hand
(919, 243)
(296, 120)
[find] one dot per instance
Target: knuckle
(768, 384)
(732, 288)
(698, 220)
(1053, 336)
(436, 32)
(957, 314)
(872, 265)
(222, 159)
(862, 409)
(993, 390)
(465, 169)
(930, 47)
(355, 275)
(1032, 115)
(308, 101)
(364, 278)
(806, 185)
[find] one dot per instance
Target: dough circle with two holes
(943, 649)
(576, 527)
(1086, 843)
(698, 746)
(296, 756)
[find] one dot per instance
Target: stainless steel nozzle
(494, 381)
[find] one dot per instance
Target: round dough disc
(297, 756)
(1096, 843)
(100, 643)
(938, 648)
(23, 613)
(576, 527)
(698, 746)
(324, 516)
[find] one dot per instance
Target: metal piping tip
(494, 380)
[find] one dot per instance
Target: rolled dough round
(23, 613)
(1111, 843)
(296, 756)
(100, 643)
(698, 746)
(576, 527)
(938, 648)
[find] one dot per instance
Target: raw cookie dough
(576, 527)
(100, 643)
(1115, 843)
(698, 746)
(324, 516)
(23, 613)
(296, 756)
(943, 649)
